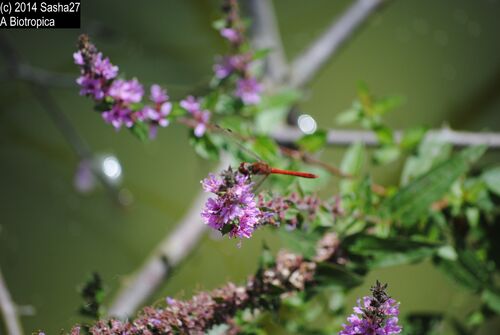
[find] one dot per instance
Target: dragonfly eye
(244, 169)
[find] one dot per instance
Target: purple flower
(84, 180)
(104, 68)
(96, 72)
(229, 64)
(118, 116)
(127, 91)
(91, 87)
(231, 34)
(200, 117)
(248, 90)
(224, 68)
(78, 58)
(158, 95)
(375, 315)
(190, 104)
(212, 183)
(156, 114)
(234, 210)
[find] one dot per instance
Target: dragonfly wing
(239, 143)
(258, 181)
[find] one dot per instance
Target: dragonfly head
(256, 168)
(246, 168)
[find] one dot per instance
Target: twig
(76, 142)
(9, 311)
(172, 250)
(43, 77)
(26, 72)
(343, 137)
(39, 80)
(265, 35)
(307, 64)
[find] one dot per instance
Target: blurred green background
(443, 56)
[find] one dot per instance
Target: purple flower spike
(234, 210)
(127, 91)
(190, 104)
(104, 68)
(211, 183)
(224, 68)
(97, 72)
(157, 113)
(118, 116)
(158, 95)
(229, 64)
(84, 179)
(375, 315)
(91, 87)
(78, 58)
(248, 90)
(231, 34)
(200, 117)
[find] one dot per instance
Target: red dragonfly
(263, 168)
(260, 167)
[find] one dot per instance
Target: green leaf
(218, 330)
(353, 160)
(412, 137)
(351, 115)
(492, 299)
(412, 202)
(387, 104)
(431, 152)
(492, 179)
(386, 154)
(383, 252)
(352, 164)
(177, 111)
(261, 53)
(204, 146)
(423, 323)
(468, 270)
(334, 275)
(265, 148)
(92, 293)
(313, 142)
(300, 241)
(384, 135)
(284, 98)
(447, 252)
(266, 257)
(103, 106)
(313, 185)
(219, 24)
(274, 109)
(140, 130)
(473, 153)
(324, 218)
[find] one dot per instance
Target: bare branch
(72, 137)
(342, 137)
(43, 77)
(266, 35)
(171, 251)
(23, 71)
(307, 64)
(39, 80)
(9, 310)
